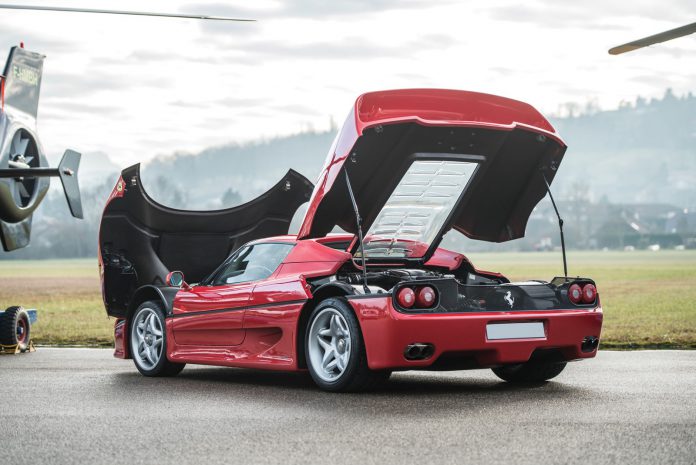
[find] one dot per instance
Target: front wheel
(530, 372)
(335, 351)
(148, 342)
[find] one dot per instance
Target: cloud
(345, 49)
(11, 35)
(299, 109)
(308, 8)
(62, 84)
(149, 56)
(591, 14)
(62, 109)
(66, 84)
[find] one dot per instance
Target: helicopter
(24, 171)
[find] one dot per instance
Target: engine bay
(462, 290)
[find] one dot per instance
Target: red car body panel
(268, 341)
(387, 332)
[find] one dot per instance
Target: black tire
(15, 328)
(530, 372)
(356, 376)
(161, 366)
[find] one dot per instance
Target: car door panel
(211, 315)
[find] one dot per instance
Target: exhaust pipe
(419, 351)
(589, 344)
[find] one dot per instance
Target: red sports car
(407, 167)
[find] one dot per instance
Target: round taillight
(426, 297)
(406, 297)
(589, 293)
(575, 294)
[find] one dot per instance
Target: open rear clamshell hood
(477, 159)
(141, 241)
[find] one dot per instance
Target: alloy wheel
(329, 344)
(148, 338)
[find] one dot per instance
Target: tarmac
(65, 406)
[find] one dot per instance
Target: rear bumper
(460, 340)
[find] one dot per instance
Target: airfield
(649, 298)
(83, 406)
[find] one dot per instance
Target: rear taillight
(406, 297)
(426, 297)
(575, 293)
(589, 293)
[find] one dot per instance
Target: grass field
(649, 298)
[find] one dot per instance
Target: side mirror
(176, 279)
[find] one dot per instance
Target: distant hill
(249, 169)
(642, 153)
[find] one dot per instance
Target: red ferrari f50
(407, 166)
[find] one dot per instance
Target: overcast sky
(139, 87)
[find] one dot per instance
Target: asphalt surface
(82, 406)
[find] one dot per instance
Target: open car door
(141, 241)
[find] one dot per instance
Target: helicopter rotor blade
(654, 39)
(121, 12)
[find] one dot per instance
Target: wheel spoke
(328, 356)
(332, 364)
(149, 355)
(154, 326)
(342, 326)
(148, 323)
(332, 325)
(157, 351)
(140, 329)
(325, 332)
(324, 345)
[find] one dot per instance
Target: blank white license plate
(533, 330)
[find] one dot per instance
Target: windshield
(417, 208)
(252, 263)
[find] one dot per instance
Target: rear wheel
(530, 372)
(335, 351)
(15, 328)
(148, 342)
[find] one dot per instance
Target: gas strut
(358, 221)
(560, 225)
